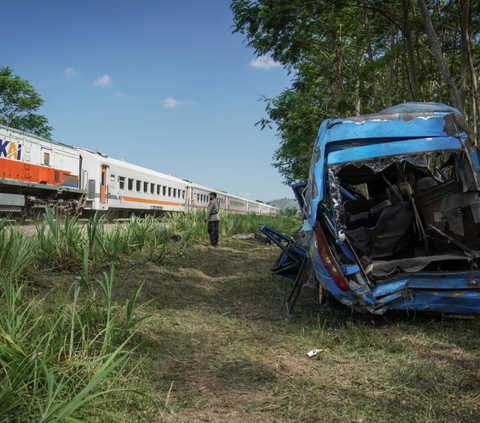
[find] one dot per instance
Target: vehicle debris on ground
(253, 237)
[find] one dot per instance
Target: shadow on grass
(411, 394)
(234, 280)
(220, 333)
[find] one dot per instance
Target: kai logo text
(10, 150)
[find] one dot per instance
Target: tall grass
(67, 244)
(55, 359)
(16, 253)
(194, 226)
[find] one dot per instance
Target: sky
(162, 84)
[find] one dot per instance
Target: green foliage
(325, 45)
(290, 212)
(283, 203)
(18, 103)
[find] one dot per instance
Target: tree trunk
(463, 60)
(437, 52)
(370, 59)
(358, 101)
(411, 54)
(339, 54)
(473, 74)
(474, 121)
(392, 62)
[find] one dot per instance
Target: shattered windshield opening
(408, 213)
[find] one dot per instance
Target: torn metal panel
(382, 268)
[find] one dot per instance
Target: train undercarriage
(22, 200)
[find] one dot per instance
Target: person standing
(213, 219)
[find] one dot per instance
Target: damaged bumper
(425, 293)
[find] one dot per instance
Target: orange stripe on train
(143, 200)
(27, 172)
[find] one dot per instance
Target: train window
(112, 178)
(57, 176)
(164, 190)
(174, 192)
(139, 185)
(158, 189)
(145, 187)
(169, 191)
(46, 159)
(152, 188)
(183, 194)
(130, 184)
(121, 182)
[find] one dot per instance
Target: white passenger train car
(114, 185)
(237, 205)
(119, 188)
(200, 197)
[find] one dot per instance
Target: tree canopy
(18, 102)
(352, 57)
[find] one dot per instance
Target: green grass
(58, 356)
(217, 345)
(74, 352)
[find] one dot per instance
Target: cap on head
(214, 194)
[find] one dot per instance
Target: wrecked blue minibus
(391, 214)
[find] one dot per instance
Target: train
(36, 172)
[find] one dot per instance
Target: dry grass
(219, 347)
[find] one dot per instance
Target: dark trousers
(213, 232)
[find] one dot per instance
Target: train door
(46, 162)
(103, 185)
(187, 199)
